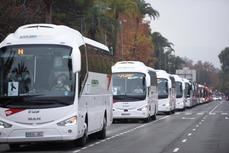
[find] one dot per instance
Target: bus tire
(169, 113)
(83, 139)
(102, 134)
(146, 120)
(14, 146)
(154, 117)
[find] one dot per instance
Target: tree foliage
(206, 72)
(163, 49)
(15, 13)
(224, 60)
(102, 20)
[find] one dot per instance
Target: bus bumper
(38, 135)
(180, 105)
(163, 108)
(130, 114)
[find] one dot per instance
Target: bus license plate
(34, 134)
(125, 114)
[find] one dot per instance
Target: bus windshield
(36, 76)
(179, 91)
(129, 86)
(163, 91)
(188, 89)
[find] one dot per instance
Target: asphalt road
(202, 129)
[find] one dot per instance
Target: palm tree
(161, 45)
(114, 10)
(118, 7)
(146, 9)
(143, 9)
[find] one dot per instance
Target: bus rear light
(4, 125)
(68, 122)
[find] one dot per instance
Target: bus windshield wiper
(6, 100)
(128, 97)
(29, 100)
(47, 101)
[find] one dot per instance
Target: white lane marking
(201, 113)
(202, 120)
(197, 125)
(189, 134)
(97, 143)
(176, 149)
(193, 129)
(119, 134)
(214, 108)
(224, 113)
(212, 113)
(177, 113)
(200, 123)
(184, 140)
(188, 118)
(103, 140)
(91, 145)
(84, 148)
(226, 118)
(188, 113)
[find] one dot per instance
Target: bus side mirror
(76, 61)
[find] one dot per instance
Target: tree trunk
(48, 11)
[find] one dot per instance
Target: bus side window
(84, 69)
(99, 60)
(153, 79)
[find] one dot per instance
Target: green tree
(143, 10)
(224, 60)
(14, 13)
(146, 9)
(206, 73)
(163, 49)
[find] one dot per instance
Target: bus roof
(130, 66)
(96, 44)
(44, 34)
(177, 78)
(49, 34)
(162, 74)
(186, 81)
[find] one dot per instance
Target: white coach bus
(180, 97)
(134, 91)
(166, 92)
(55, 85)
(188, 93)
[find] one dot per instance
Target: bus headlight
(4, 125)
(68, 122)
(144, 108)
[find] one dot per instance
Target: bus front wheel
(83, 139)
(102, 134)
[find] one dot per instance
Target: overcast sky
(199, 29)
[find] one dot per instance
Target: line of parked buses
(141, 92)
(55, 85)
